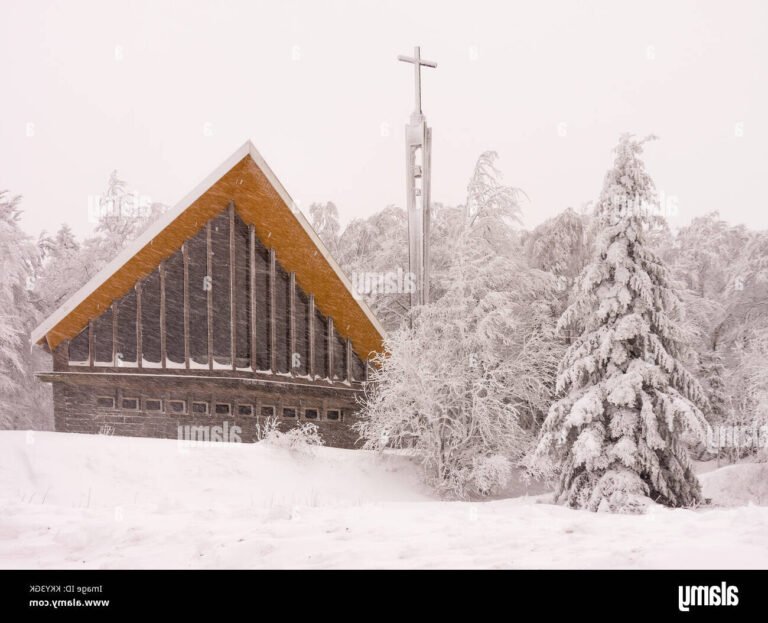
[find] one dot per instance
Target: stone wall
(80, 407)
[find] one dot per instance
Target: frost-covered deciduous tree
(739, 337)
(703, 253)
(492, 214)
(68, 265)
(562, 246)
(702, 257)
(23, 402)
(123, 216)
(616, 437)
(492, 207)
(325, 222)
(747, 387)
(464, 388)
(378, 247)
(712, 376)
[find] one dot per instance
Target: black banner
(597, 594)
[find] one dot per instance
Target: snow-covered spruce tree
(615, 438)
(464, 388)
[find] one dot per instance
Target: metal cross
(417, 64)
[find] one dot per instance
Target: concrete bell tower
(418, 162)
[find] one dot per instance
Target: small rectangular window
(108, 402)
(333, 414)
(223, 408)
(177, 406)
(245, 409)
(267, 411)
(289, 412)
(200, 408)
(310, 414)
(153, 404)
(130, 404)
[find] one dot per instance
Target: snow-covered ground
(80, 501)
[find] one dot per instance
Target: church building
(227, 310)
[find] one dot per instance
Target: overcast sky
(165, 91)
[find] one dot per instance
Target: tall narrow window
(243, 294)
(174, 310)
(282, 292)
(102, 338)
(357, 366)
(150, 319)
(222, 352)
(321, 345)
(78, 347)
(199, 283)
(262, 307)
(339, 357)
(126, 330)
(300, 363)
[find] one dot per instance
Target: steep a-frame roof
(261, 200)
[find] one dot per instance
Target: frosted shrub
(266, 427)
(303, 437)
(490, 473)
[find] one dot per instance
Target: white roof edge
(165, 219)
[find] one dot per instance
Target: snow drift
(81, 501)
(737, 485)
(97, 472)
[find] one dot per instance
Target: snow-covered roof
(261, 200)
